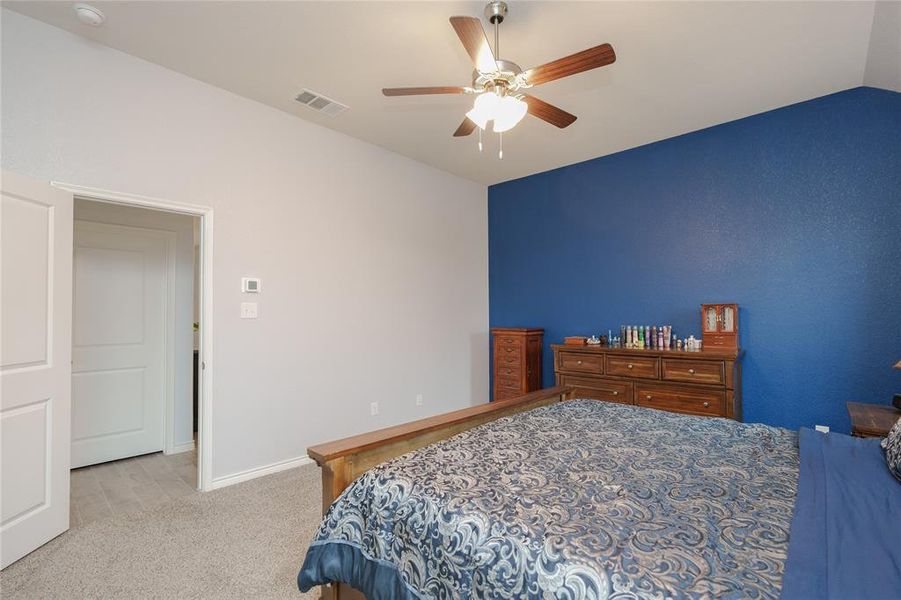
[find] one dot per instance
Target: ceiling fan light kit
(499, 84)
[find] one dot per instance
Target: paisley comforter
(581, 499)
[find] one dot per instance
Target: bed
(579, 499)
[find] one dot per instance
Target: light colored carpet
(244, 541)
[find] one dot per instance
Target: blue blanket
(578, 500)
(846, 531)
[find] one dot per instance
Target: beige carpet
(243, 541)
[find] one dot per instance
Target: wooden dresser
(706, 382)
(517, 361)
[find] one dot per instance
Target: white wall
(183, 227)
(883, 69)
(373, 266)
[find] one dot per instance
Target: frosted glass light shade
(483, 109)
(508, 112)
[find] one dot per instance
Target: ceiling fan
(498, 84)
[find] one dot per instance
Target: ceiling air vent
(320, 103)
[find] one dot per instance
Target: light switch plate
(249, 310)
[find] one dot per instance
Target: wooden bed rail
(342, 461)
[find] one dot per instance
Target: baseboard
(226, 480)
(179, 448)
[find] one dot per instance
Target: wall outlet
(373, 409)
(418, 399)
(822, 428)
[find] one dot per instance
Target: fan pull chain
(500, 153)
(480, 138)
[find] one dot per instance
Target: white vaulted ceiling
(681, 66)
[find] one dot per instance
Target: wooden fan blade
(470, 32)
(419, 91)
(465, 128)
(549, 112)
(585, 60)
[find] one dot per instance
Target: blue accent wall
(795, 214)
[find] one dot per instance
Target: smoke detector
(89, 15)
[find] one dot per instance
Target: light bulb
(508, 112)
(483, 109)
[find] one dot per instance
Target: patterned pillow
(892, 446)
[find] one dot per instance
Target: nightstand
(872, 420)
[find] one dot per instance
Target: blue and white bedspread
(846, 532)
(581, 499)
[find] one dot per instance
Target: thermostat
(250, 285)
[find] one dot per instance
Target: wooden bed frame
(342, 461)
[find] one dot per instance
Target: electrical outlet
(418, 399)
(373, 409)
(249, 310)
(822, 428)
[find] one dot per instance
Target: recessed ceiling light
(89, 15)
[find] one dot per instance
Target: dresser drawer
(694, 371)
(633, 366)
(597, 388)
(681, 399)
(506, 393)
(509, 372)
(579, 361)
(508, 360)
(508, 340)
(503, 351)
(503, 380)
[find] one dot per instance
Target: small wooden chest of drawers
(517, 361)
(706, 383)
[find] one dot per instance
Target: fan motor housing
(507, 77)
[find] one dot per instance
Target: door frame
(205, 389)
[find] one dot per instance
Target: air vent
(320, 103)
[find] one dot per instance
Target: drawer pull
(706, 404)
(579, 362)
(648, 396)
(691, 371)
(629, 365)
(615, 393)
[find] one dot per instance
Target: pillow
(892, 446)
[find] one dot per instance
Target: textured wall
(795, 214)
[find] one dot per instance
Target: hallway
(130, 486)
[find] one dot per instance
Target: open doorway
(136, 364)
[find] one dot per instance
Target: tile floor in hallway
(130, 485)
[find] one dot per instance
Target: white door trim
(205, 400)
(169, 238)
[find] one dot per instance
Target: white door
(35, 350)
(120, 373)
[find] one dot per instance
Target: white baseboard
(226, 480)
(179, 448)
